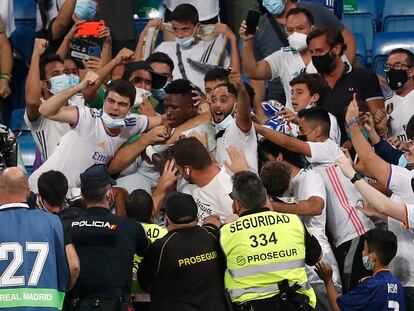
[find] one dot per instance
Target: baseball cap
(180, 208)
(158, 80)
(97, 176)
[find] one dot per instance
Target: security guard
(266, 253)
(184, 269)
(106, 244)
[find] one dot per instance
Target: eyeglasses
(396, 66)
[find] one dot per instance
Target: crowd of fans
(179, 186)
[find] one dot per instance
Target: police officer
(105, 244)
(184, 269)
(266, 253)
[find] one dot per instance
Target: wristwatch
(356, 177)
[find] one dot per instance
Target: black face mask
(324, 64)
(397, 78)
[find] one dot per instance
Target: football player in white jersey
(345, 222)
(306, 197)
(287, 63)
(399, 180)
(400, 77)
(95, 135)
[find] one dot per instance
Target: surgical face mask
(396, 78)
(158, 94)
(402, 161)
(367, 265)
(324, 64)
(74, 80)
(85, 9)
(310, 105)
(59, 83)
(223, 124)
(112, 123)
(274, 7)
(297, 41)
(140, 95)
(186, 41)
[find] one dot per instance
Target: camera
(8, 148)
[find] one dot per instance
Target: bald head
(14, 186)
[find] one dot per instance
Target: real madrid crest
(390, 108)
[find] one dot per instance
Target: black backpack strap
(279, 32)
(180, 63)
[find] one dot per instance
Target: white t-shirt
(87, 143)
(246, 142)
(47, 133)
(287, 64)
(55, 6)
(193, 52)
(399, 182)
(213, 198)
(7, 15)
(400, 110)
(207, 9)
(345, 220)
(211, 136)
(306, 184)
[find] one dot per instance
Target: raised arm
(55, 107)
(254, 70)
(33, 89)
(373, 163)
(64, 46)
(376, 199)
(141, 40)
(243, 120)
(223, 29)
(285, 141)
(165, 183)
(63, 19)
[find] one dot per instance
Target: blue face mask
(85, 9)
(402, 161)
(112, 123)
(223, 124)
(275, 7)
(158, 94)
(59, 83)
(367, 265)
(187, 41)
(73, 80)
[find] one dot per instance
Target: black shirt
(105, 244)
(184, 270)
(362, 81)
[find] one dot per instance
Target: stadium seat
(363, 21)
(24, 9)
(361, 48)
(17, 121)
(25, 19)
(384, 43)
(398, 15)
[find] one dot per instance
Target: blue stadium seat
(24, 9)
(384, 43)
(25, 19)
(398, 15)
(361, 48)
(363, 21)
(17, 121)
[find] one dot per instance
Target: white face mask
(112, 123)
(310, 105)
(139, 97)
(297, 41)
(223, 124)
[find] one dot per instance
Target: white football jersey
(400, 110)
(345, 220)
(87, 143)
(47, 133)
(306, 184)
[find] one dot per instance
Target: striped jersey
(34, 272)
(344, 219)
(47, 133)
(87, 143)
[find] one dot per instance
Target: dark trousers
(98, 304)
(269, 304)
(409, 297)
(349, 258)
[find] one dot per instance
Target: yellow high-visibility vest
(261, 250)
